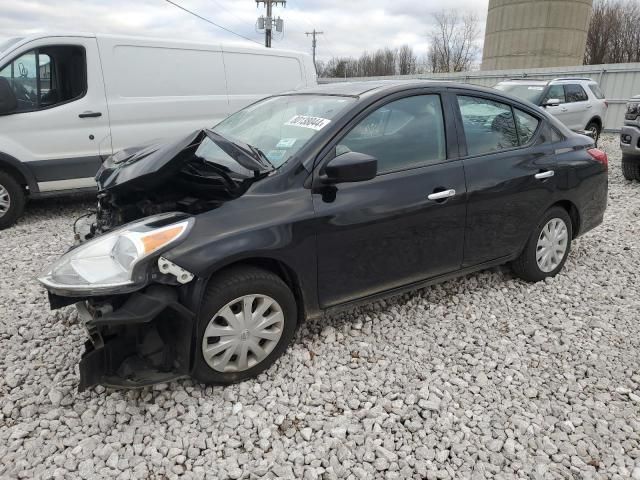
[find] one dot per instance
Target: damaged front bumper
(134, 340)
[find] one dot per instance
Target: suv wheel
(247, 320)
(12, 200)
(630, 167)
(547, 248)
(594, 128)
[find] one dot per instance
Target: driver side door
(60, 128)
(406, 224)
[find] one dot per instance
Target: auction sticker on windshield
(315, 123)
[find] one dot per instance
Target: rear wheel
(12, 200)
(594, 128)
(547, 249)
(247, 320)
(630, 167)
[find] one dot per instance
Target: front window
(281, 126)
(46, 77)
(529, 92)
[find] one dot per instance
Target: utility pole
(267, 23)
(313, 44)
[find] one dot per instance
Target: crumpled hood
(143, 167)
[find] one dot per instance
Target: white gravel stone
(480, 377)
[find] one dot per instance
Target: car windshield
(528, 92)
(280, 126)
(5, 44)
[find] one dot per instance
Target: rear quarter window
(595, 89)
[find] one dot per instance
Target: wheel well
(280, 269)
(572, 210)
(596, 120)
(14, 172)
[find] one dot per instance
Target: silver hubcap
(5, 201)
(243, 333)
(552, 245)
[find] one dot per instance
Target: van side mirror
(8, 101)
(350, 167)
(551, 102)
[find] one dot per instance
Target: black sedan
(206, 253)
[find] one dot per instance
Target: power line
(209, 21)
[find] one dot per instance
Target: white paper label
(314, 123)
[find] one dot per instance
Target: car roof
(370, 87)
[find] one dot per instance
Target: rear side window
(527, 125)
(555, 92)
(595, 89)
(488, 126)
(575, 93)
(47, 76)
(403, 134)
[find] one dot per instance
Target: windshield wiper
(250, 157)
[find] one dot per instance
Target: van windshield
(5, 44)
(281, 126)
(529, 92)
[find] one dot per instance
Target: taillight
(599, 155)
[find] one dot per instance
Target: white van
(68, 101)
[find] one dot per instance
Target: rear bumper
(141, 339)
(630, 141)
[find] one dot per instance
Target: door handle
(442, 195)
(564, 109)
(543, 175)
(90, 114)
(589, 106)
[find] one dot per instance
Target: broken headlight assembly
(118, 261)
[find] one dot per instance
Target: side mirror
(551, 102)
(350, 167)
(8, 101)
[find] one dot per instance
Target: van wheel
(547, 248)
(247, 320)
(630, 167)
(594, 128)
(12, 200)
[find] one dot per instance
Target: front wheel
(247, 320)
(630, 167)
(547, 249)
(12, 200)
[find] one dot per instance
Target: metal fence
(618, 81)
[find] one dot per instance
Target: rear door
(377, 235)
(578, 106)
(61, 126)
(509, 168)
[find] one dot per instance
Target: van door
(60, 127)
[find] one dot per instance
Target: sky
(350, 26)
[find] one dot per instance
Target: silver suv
(630, 140)
(577, 102)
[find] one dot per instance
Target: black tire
(224, 288)
(12, 191)
(630, 167)
(526, 266)
(596, 129)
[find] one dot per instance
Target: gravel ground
(482, 377)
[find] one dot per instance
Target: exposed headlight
(109, 263)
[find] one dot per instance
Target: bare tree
(453, 41)
(614, 32)
(407, 60)
(385, 61)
